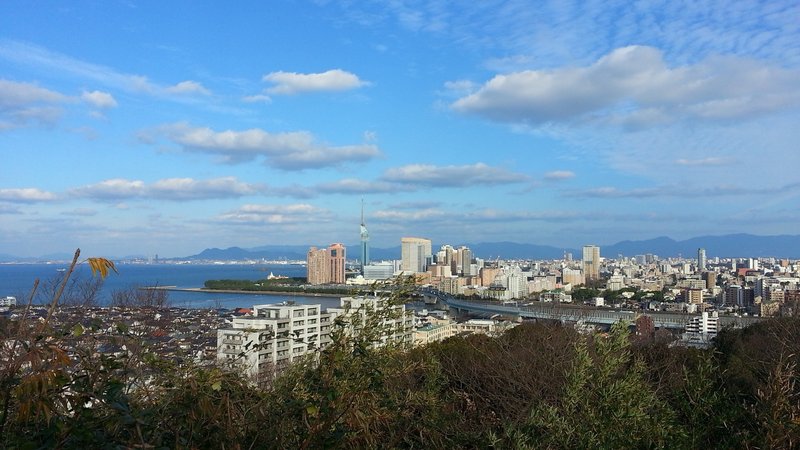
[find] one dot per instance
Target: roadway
(573, 313)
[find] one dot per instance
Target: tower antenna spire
(362, 211)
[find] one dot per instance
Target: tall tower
(591, 262)
(701, 259)
(364, 240)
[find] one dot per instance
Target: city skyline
(134, 128)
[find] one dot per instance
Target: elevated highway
(574, 313)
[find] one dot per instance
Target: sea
(16, 280)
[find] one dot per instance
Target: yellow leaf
(101, 265)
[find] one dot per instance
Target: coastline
(235, 291)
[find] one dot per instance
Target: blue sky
(167, 127)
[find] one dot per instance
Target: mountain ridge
(738, 245)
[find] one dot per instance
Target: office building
(465, 261)
(416, 254)
(701, 259)
(591, 262)
(379, 271)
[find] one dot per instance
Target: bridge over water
(575, 313)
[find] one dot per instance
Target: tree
(606, 403)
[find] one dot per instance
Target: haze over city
(145, 128)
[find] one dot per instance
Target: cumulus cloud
(276, 214)
(558, 175)
(98, 99)
(23, 103)
(356, 186)
(634, 87)
(435, 214)
(452, 176)
(289, 83)
(26, 195)
(188, 87)
(175, 189)
(112, 189)
(682, 191)
(295, 150)
(406, 216)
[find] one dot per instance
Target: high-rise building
(338, 256)
(465, 261)
(318, 266)
(591, 262)
(701, 259)
(416, 254)
(364, 257)
(326, 265)
(733, 295)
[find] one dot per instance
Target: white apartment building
(273, 337)
(276, 335)
(396, 324)
(701, 330)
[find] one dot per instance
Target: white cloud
(293, 83)
(452, 176)
(406, 216)
(26, 195)
(36, 56)
(684, 191)
(357, 186)
(295, 150)
(634, 87)
(558, 175)
(112, 189)
(98, 99)
(276, 214)
(23, 103)
(188, 87)
(191, 189)
(176, 189)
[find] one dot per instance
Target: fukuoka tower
(364, 241)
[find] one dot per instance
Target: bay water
(17, 280)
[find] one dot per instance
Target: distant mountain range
(726, 246)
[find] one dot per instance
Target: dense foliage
(536, 386)
(290, 285)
